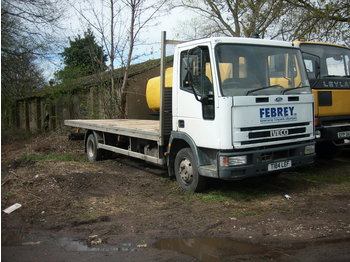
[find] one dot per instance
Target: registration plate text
(279, 165)
(344, 134)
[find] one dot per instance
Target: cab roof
(238, 40)
(298, 43)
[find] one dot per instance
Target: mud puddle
(221, 249)
(212, 249)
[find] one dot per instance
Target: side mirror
(207, 100)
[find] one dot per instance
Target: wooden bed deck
(146, 129)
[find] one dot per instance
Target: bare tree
(326, 20)
(26, 33)
(235, 18)
(334, 10)
(119, 35)
(35, 24)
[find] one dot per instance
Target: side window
(335, 65)
(309, 65)
(190, 70)
(196, 71)
(196, 77)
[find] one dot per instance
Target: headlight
(233, 160)
(318, 134)
(309, 150)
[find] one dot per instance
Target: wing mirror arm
(188, 82)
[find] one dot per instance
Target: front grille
(268, 133)
(256, 141)
(273, 133)
(253, 128)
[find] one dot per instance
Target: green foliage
(83, 57)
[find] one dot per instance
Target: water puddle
(211, 249)
(19, 238)
(11, 238)
(227, 249)
(70, 244)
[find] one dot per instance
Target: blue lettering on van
(277, 114)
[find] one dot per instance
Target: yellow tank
(153, 89)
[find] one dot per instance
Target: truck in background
(226, 110)
(328, 69)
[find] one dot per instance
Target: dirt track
(127, 201)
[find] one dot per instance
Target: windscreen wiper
(292, 88)
(331, 76)
(261, 88)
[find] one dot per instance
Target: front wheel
(186, 171)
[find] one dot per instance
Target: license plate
(279, 165)
(344, 134)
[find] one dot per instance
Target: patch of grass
(321, 176)
(85, 219)
(165, 180)
(89, 218)
(53, 157)
(344, 187)
(8, 195)
(213, 196)
(245, 194)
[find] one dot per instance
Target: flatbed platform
(146, 129)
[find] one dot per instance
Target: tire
(93, 153)
(186, 171)
(327, 150)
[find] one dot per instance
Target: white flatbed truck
(236, 108)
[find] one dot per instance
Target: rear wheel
(93, 153)
(186, 171)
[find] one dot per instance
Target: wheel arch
(98, 136)
(178, 141)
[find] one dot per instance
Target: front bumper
(335, 134)
(259, 160)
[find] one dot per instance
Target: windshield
(260, 70)
(334, 60)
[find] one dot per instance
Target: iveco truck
(328, 69)
(229, 108)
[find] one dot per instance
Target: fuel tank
(153, 89)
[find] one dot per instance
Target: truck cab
(240, 107)
(328, 69)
